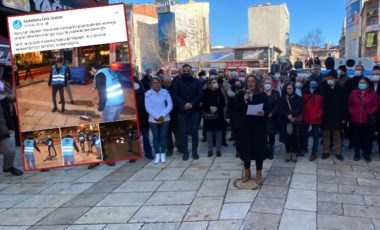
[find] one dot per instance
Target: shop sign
(49, 5)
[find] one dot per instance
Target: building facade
(277, 34)
(183, 30)
(370, 30)
(142, 25)
(353, 28)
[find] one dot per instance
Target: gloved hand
(213, 109)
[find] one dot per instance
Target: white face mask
(242, 78)
(137, 86)
(215, 86)
(358, 73)
(299, 85)
(267, 86)
(375, 78)
(340, 72)
(330, 82)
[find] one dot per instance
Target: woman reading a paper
(252, 128)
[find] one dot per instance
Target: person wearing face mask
(283, 80)
(272, 120)
(173, 123)
(290, 107)
(146, 79)
(242, 75)
(213, 104)
(351, 85)
(143, 118)
(317, 68)
(334, 117)
(342, 76)
(361, 102)
(375, 78)
(234, 112)
(252, 132)
(158, 104)
(312, 112)
(225, 87)
(300, 82)
(187, 94)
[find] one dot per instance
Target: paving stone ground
(196, 194)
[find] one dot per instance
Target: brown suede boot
(313, 156)
(246, 175)
(259, 178)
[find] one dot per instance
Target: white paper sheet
(254, 109)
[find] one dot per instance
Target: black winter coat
(234, 110)
(284, 111)
(252, 132)
(187, 91)
(272, 122)
(335, 107)
(141, 111)
(216, 99)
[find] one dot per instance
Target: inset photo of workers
(120, 140)
(41, 149)
(74, 86)
(81, 145)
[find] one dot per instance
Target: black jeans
(362, 138)
(52, 146)
(259, 165)
(61, 95)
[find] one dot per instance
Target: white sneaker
(163, 157)
(157, 159)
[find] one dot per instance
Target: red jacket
(355, 108)
(312, 107)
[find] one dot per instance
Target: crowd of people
(325, 107)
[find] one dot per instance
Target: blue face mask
(362, 86)
(313, 84)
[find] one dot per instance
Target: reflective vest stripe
(58, 78)
(114, 94)
(112, 88)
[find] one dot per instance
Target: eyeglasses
(186, 71)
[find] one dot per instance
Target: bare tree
(313, 39)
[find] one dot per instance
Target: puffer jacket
(312, 109)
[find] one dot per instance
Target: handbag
(210, 116)
(298, 119)
(372, 119)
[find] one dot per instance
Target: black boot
(270, 150)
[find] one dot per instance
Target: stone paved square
(195, 195)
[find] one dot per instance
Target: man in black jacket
(187, 95)
(335, 116)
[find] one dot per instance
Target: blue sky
(229, 18)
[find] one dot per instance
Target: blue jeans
(315, 131)
(146, 143)
(68, 159)
(188, 123)
(30, 162)
(112, 112)
(160, 134)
